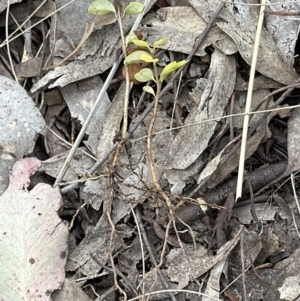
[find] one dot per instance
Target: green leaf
(160, 42)
(146, 57)
(149, 89)
(135, 57)
(144, 75)
(131, 36)
(171, 68)
(133, 8)
(101, 8)
(141, 43)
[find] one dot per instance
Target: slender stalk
(149, 146)
(127, 79)
(240, 178)
(150, 131)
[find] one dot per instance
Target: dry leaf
(239, 22)
(33, 239)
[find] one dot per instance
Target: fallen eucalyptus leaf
(33, 239)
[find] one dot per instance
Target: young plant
(145, 75)
(136, 57)
(106, 8)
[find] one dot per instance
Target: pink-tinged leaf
(21, 171)
(33, 239)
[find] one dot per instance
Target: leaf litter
(123, 238)
(33, 241)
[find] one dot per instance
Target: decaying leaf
(284, 29)
(240, 24)
(191, 141)
(20, 124)
(96, 243)
(188, 264)
(80, 98)
(175, 21)
(33, 239)
(287, 285)
(70, 291)
(230, 160)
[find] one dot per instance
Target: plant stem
(150, 131)
(149, 146)
(127, 80)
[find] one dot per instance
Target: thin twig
(142, 248)
(243, 266)
(8, 50)
(13, 37)
(239, 185)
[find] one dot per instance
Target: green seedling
(141, 56)
(138, 57)
(104, 8)
(144, 54)
(144, 75)
(133, 8)
(101, 8)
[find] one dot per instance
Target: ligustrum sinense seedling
(103, 8)
(141, 55)
(145, 75)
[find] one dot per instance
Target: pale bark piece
(183, 25)
(264, 213)
(33, 239)
(239, 22)
(191, 141)
(290, 288)
(80, 98)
